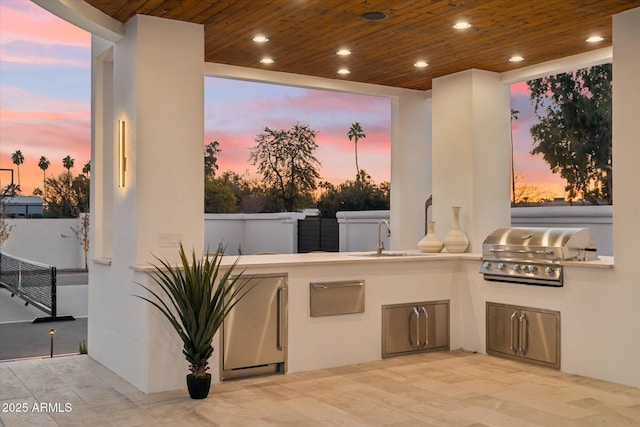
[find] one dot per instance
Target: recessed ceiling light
(260, 39)
(594, 39)
(267, 61)
(344, 71)
(461, 25)
(516, 58)
(374, 16)
(421, 64)
(343, 52)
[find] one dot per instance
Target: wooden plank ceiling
(304, 35)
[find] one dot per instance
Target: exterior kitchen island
(337, 340)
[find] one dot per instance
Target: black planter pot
(198, 387)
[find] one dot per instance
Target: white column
(157, 87)
(410, 167)
(625, 294)
(471, 113)
(159, 93)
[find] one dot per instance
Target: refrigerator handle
(513, 331)
(280, 333)
(426, 326)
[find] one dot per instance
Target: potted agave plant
(195, 296)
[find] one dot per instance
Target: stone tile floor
(436, 389)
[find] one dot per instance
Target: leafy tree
(11, 190)
(219, 198)
(529, 194)
(360, 195)
(44, 165)
(574, 129)
(231, 192)
(82, 234)
(5, 229)
(211, 151)
(37, 192)
(17, 158)
(81, 186)
(68, 163)
(286, 161)
(356, 133)
(67, 196)
(60, 200)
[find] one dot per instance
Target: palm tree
(44, 165)
(86, 169)
(356, 133)
(68, 163)
(17, 158)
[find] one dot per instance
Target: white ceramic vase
(455, 240)
(430, 242)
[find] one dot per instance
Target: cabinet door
(434, 327)
(502, 329)
(539, 336)
(523, 333)
(400, 329)
(415, 328)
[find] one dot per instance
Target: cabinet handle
(524, 328)
(280, 314)
(513, 331)
(417, 343)
(426, 325)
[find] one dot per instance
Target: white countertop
(319, 258)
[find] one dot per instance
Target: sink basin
(386, 254)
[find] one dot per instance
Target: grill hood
(540, 244)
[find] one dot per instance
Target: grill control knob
(515, 267)
(501, 266)
(486, 264)
(532, 269)
(550, 271)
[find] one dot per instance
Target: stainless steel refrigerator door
(254, 331)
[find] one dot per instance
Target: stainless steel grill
(532, 256)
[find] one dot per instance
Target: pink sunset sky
(45, 82)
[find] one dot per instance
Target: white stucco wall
(252, 233)
(599, 219)
(359, 230)
(48, 241)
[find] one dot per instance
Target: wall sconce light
(122, 160)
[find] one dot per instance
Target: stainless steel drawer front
(333, 298)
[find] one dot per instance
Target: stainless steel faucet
(380, 244)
